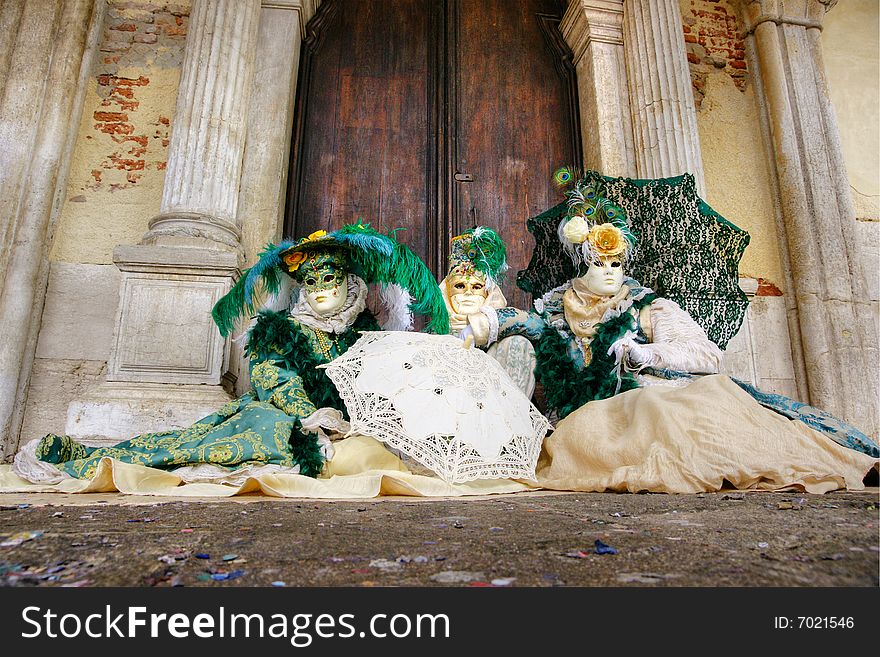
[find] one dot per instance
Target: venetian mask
(605, 276)
(467, 292)
(325, 286)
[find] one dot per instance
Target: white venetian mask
(605, 276)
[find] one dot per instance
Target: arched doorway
(433, 116)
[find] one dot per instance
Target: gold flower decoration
(607, 240)
(294, 260)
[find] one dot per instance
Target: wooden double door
(433, 116)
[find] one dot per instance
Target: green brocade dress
(260, 427)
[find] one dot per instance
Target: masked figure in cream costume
(633, 381)
(471, 291)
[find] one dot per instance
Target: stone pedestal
(593, 30)
(169, 365)
(833, 314)
(114, 412)
(164, 330)
(661, 98)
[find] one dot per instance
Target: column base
(114, 412)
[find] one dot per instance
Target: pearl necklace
(324, 343)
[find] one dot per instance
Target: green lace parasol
(686, 251)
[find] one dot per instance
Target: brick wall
(713, 42)
(137, 37)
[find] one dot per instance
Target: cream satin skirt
(689, 440)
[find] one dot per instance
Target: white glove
(636, 353)
(327, 450)
(325, 418)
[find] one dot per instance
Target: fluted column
(200, 197)
(832, 313)
(169, 365)
(661, 98)
(42, 66)
(593, 30)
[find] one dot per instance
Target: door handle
(464, 177)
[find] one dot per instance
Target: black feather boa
(276, 333)
(566, 387)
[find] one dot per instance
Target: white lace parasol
(452, 409)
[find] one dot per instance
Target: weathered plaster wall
(114, 187)
(851, 49)
(739, 186)
(116, 176)
(734, 159)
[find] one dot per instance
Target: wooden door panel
(395, 97)
(365, 137)
(513, 120)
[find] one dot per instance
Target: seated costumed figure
(316, 293)
(616, 362)
(471, 291)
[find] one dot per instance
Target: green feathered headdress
(375, 257)
(480, 249)
(593, 226)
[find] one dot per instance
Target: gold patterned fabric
(244, 431)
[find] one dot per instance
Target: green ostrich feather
(406, 269)
(227, 311)
(489, 252)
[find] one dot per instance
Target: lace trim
(481, 426)
(27, 466)
(214, 474)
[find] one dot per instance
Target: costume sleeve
(275, 383)
(512, 321)
(679, 343)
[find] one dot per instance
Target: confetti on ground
(202, 555)
(602, 548)
(20, 537)
(221, 576)
(503, 581)
(229, 557)
(457, 576)
(578, 554)
(278, 583)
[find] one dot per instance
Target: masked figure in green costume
(315, 294)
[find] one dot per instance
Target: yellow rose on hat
(294, 260)
(607, 240)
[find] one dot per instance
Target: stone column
(200, 196)
(661, 98)
(46, 54)
(169, 366)
(593, 30)
(833, 313)
(270, 122)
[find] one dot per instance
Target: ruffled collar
(339, 322)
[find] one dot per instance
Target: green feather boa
(277, 333)
(567, 387)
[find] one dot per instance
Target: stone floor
(527, 540)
